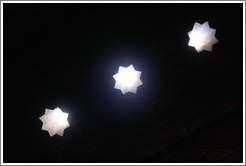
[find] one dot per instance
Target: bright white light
(54, 121)
(202, 37)
(127, 79)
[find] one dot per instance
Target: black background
(189, 108)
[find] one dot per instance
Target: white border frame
(2, 2)
(122, 2)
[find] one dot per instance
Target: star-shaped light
(54, 121)
(127, 79)
(202, 37)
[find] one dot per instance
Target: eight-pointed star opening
(54, 121)
(202, 37)
(127, 79)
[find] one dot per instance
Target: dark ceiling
(189, 108)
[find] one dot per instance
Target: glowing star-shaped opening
(127, 79)
(202, 37)
(54, 121)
